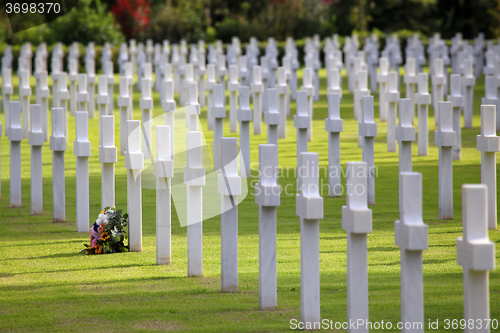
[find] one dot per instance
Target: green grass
(47, 286)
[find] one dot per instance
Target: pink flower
(101, 228)
(94, 242)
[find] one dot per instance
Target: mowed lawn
(46, 285)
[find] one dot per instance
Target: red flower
(132, 15)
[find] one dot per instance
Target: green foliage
(88, 22)
(176, 21)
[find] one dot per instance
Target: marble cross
(357, 222)
(82, 96)
(36, 140)
(302, 122)
(488, 143)
(73, 77)
(229, 187)
(129, 70)
(283, 101)
(244, 117)
(219, 113)
(309, 208)
(267, 196)
(445, 139)
(108, 158)
(264, 65)
(194, 178)
(201, 78)
(102, 102)
(233, 86)
(221, 69)
(63, 97)
(468, 83)
(367, 129)
(15, 136)
(134, 162)
(91, 79)
(82, 151)
(58, 142)
(308, 87)
(163, 169)
(490, 97)
(25, 95)
(257, 88)
(169, 105)
(243, 71)
(438, 83)
(272, 119)
(405, 134)
(146, 105)
(476, 255)
(188, 78)
(210, 95)
(360, 91)
(7, 92)
(123, 102)
(193, 113)
(111, 85)
(457, 100)
(423, 100)
(334, 125)
(410, 80)
(411, 236)
(391, 98)
(333, 81)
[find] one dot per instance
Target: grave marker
(476, 255)
(367, 129)
(488, 143)
(423, 100)
(445, 139)
(58, 142)
(169, 105)
(360, 91)
(334, 126)
(244, 117)
(301, 121)
(229, 187)
(468, 82)
(163, 169)
(193, 113)
(309, 89)
(490, 97)
(391, 98)
(108, 158)
(7, 92)
(146, 105)
(283, 98)
(456, 98)
(194, 178)
(15, 136)
(111, 86)
(272, 119)
(73, 77)
(210, 95)
(233, 86)
(134, 162)
(219, 113)
(411, 236)
(124, 104)
(267, 196)
(91, 78)
(24, 95)
(309, 208)
(438, 83)
(36, 140)
(82, 151)
(357, 222)
(257, 90)
(410, 79)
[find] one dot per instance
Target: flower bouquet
(107, 233)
